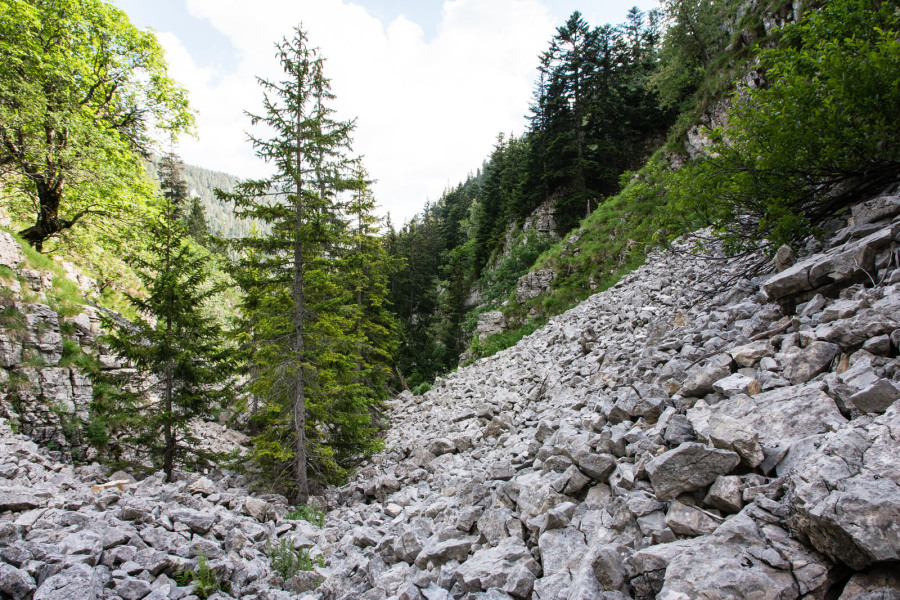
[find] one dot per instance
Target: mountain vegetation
(80, 90)
(292, 284)
(314, 285)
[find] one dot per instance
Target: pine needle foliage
(179, 363)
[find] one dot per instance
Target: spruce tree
(175, 347)
(301, 355)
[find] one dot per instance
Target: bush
(821, 135)
(421, 388)
(206, 582)
(312, 513)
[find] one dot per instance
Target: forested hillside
(218, 214)
(609, 98)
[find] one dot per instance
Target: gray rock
(258, 509)
(728, 434)
(20, 498)
(646, 568)
(202, 486)
(725, 494)
(740, 560)
(520, 581)
(780, 417)
(883, 207)
(596, 466)
(78, 581)
(441, 446)
(736, 383)
(808, 362)
(784, 258)
(499, 567)
(16, 583)
(750, 354)
(876, 397)
(441, 552)
(10, 251)
(132, 589)
(608, 567)
(490, 323)
(198, 521)
(688, 467)
(875, 584)
(700, 380)
(846, 496)
(533, 284)
(690, 520)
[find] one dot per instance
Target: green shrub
(312, 513)
(288, 561)
(421, 388)
(820, 136)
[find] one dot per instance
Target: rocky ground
(689, 433)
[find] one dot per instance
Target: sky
(431, 83)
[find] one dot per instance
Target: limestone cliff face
(689, 433)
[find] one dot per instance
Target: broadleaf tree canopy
(82, 94)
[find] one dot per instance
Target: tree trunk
(168, 433)
(298, 399)
(48, 222)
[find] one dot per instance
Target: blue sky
(430, 82)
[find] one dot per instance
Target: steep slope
(678, 436)
(688, 433)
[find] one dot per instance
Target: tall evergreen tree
(176, 347)
(308, 360)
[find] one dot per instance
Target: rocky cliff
(689, 433)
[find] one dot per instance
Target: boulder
(688, 467)
(500, 567)
(803, 364)
(780, 417)
(78, 581)
(690, 520)
(876, 397)
(700, 380)
(879, 583)
(16, 583)
(10, 251)
(845, 497)
(745, 558)
(728, 434)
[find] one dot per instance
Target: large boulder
(780, 418)
(79, 581)
(688, 467)
(845, 497)
(746, 557)
(498, 567)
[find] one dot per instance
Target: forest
(287, 305)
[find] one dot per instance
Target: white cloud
(427, 112)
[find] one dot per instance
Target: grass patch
(501, 341)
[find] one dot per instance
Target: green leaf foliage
(822, 134)
(81, 89)
(314, 327)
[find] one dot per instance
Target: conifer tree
(175, 348)
(303, 359)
